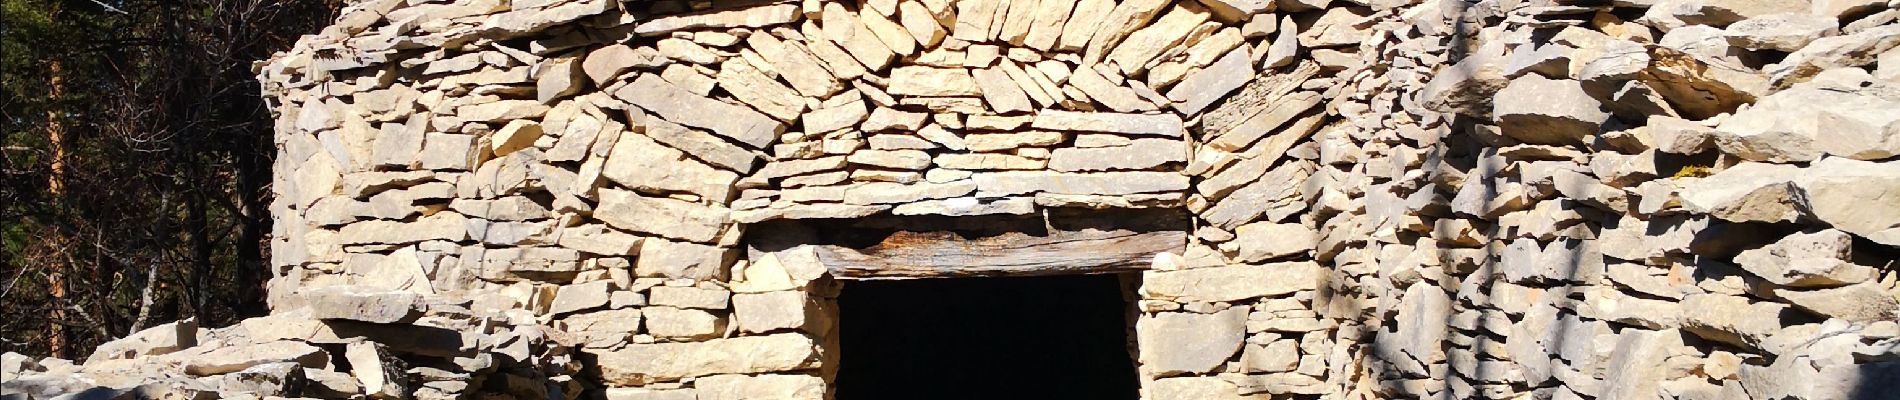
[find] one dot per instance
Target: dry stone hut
(1155, 199)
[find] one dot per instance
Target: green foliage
(134, 162)
(1697, 171)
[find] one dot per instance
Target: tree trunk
(56, 343)
(200, 253)
(55, 132)
(253, 172)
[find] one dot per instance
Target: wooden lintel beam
(908, 255)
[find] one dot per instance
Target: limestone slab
(639, 364)
(738, 123)
(1168, 125)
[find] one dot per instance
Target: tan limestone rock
(1140, 154)
(920, 23)
(666, 258)
(752, 87)
(675, 104)
(701, 145)
(661, 216)
(690, 297)
(749, 17)
(1050, 20)
(1805, 122)
(989, 161)
(1229, 283)
(1818, 259)
(796, 65)
(158, 340)
(1179, 342)
(1129, 124)
(644, 363)
(237, 358)
(973, 19)
(893, 35)
(1126, 18)
(985, 142)
(1076, 36)
(844, 27)
(556, 78)
(1544, 111)
(580, 297)
(1198, 388)
(602, 329)
(640, 163)
(682, 323)
(1002, 94)
(518, 134)
(1133, 54)
(1832, 190)
(770, 386)
(931, 81)
(1210, 84)
(1265, 241)
(896, 159)
(771, 311)
(1104, 183)
(1115, 96)
(1861, 302)
(371, 364)
(893, 193)
(441, 226)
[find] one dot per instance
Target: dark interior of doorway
(1056, 337)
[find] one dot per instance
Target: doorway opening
(1048, 337)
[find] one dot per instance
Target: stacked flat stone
(1391, 199)
(347, 344)
(599, 172)
(1546, 200)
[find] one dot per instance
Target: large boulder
(237, 358)
(1863, 302)
(1819, 259)
(1853, 50)
(152, 341)
(366, 305)
(1808, 121)
(1184, 342)
(1734, 320)
(1784, 32)
(1538, 110)
(1468, 86)
(1834, 191)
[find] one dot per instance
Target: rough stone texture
(1805, 122)
(1263, 241)
(739, 387)
(1832, 190)
(238, 358)
(642, 363)
(1230, 283)
(1140, 154)
(744, 125)
(1190, 343)
(1816, 259)
(1674, 199)
(157, 340)
(1546, 111)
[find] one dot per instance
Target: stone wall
(1690, 199)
